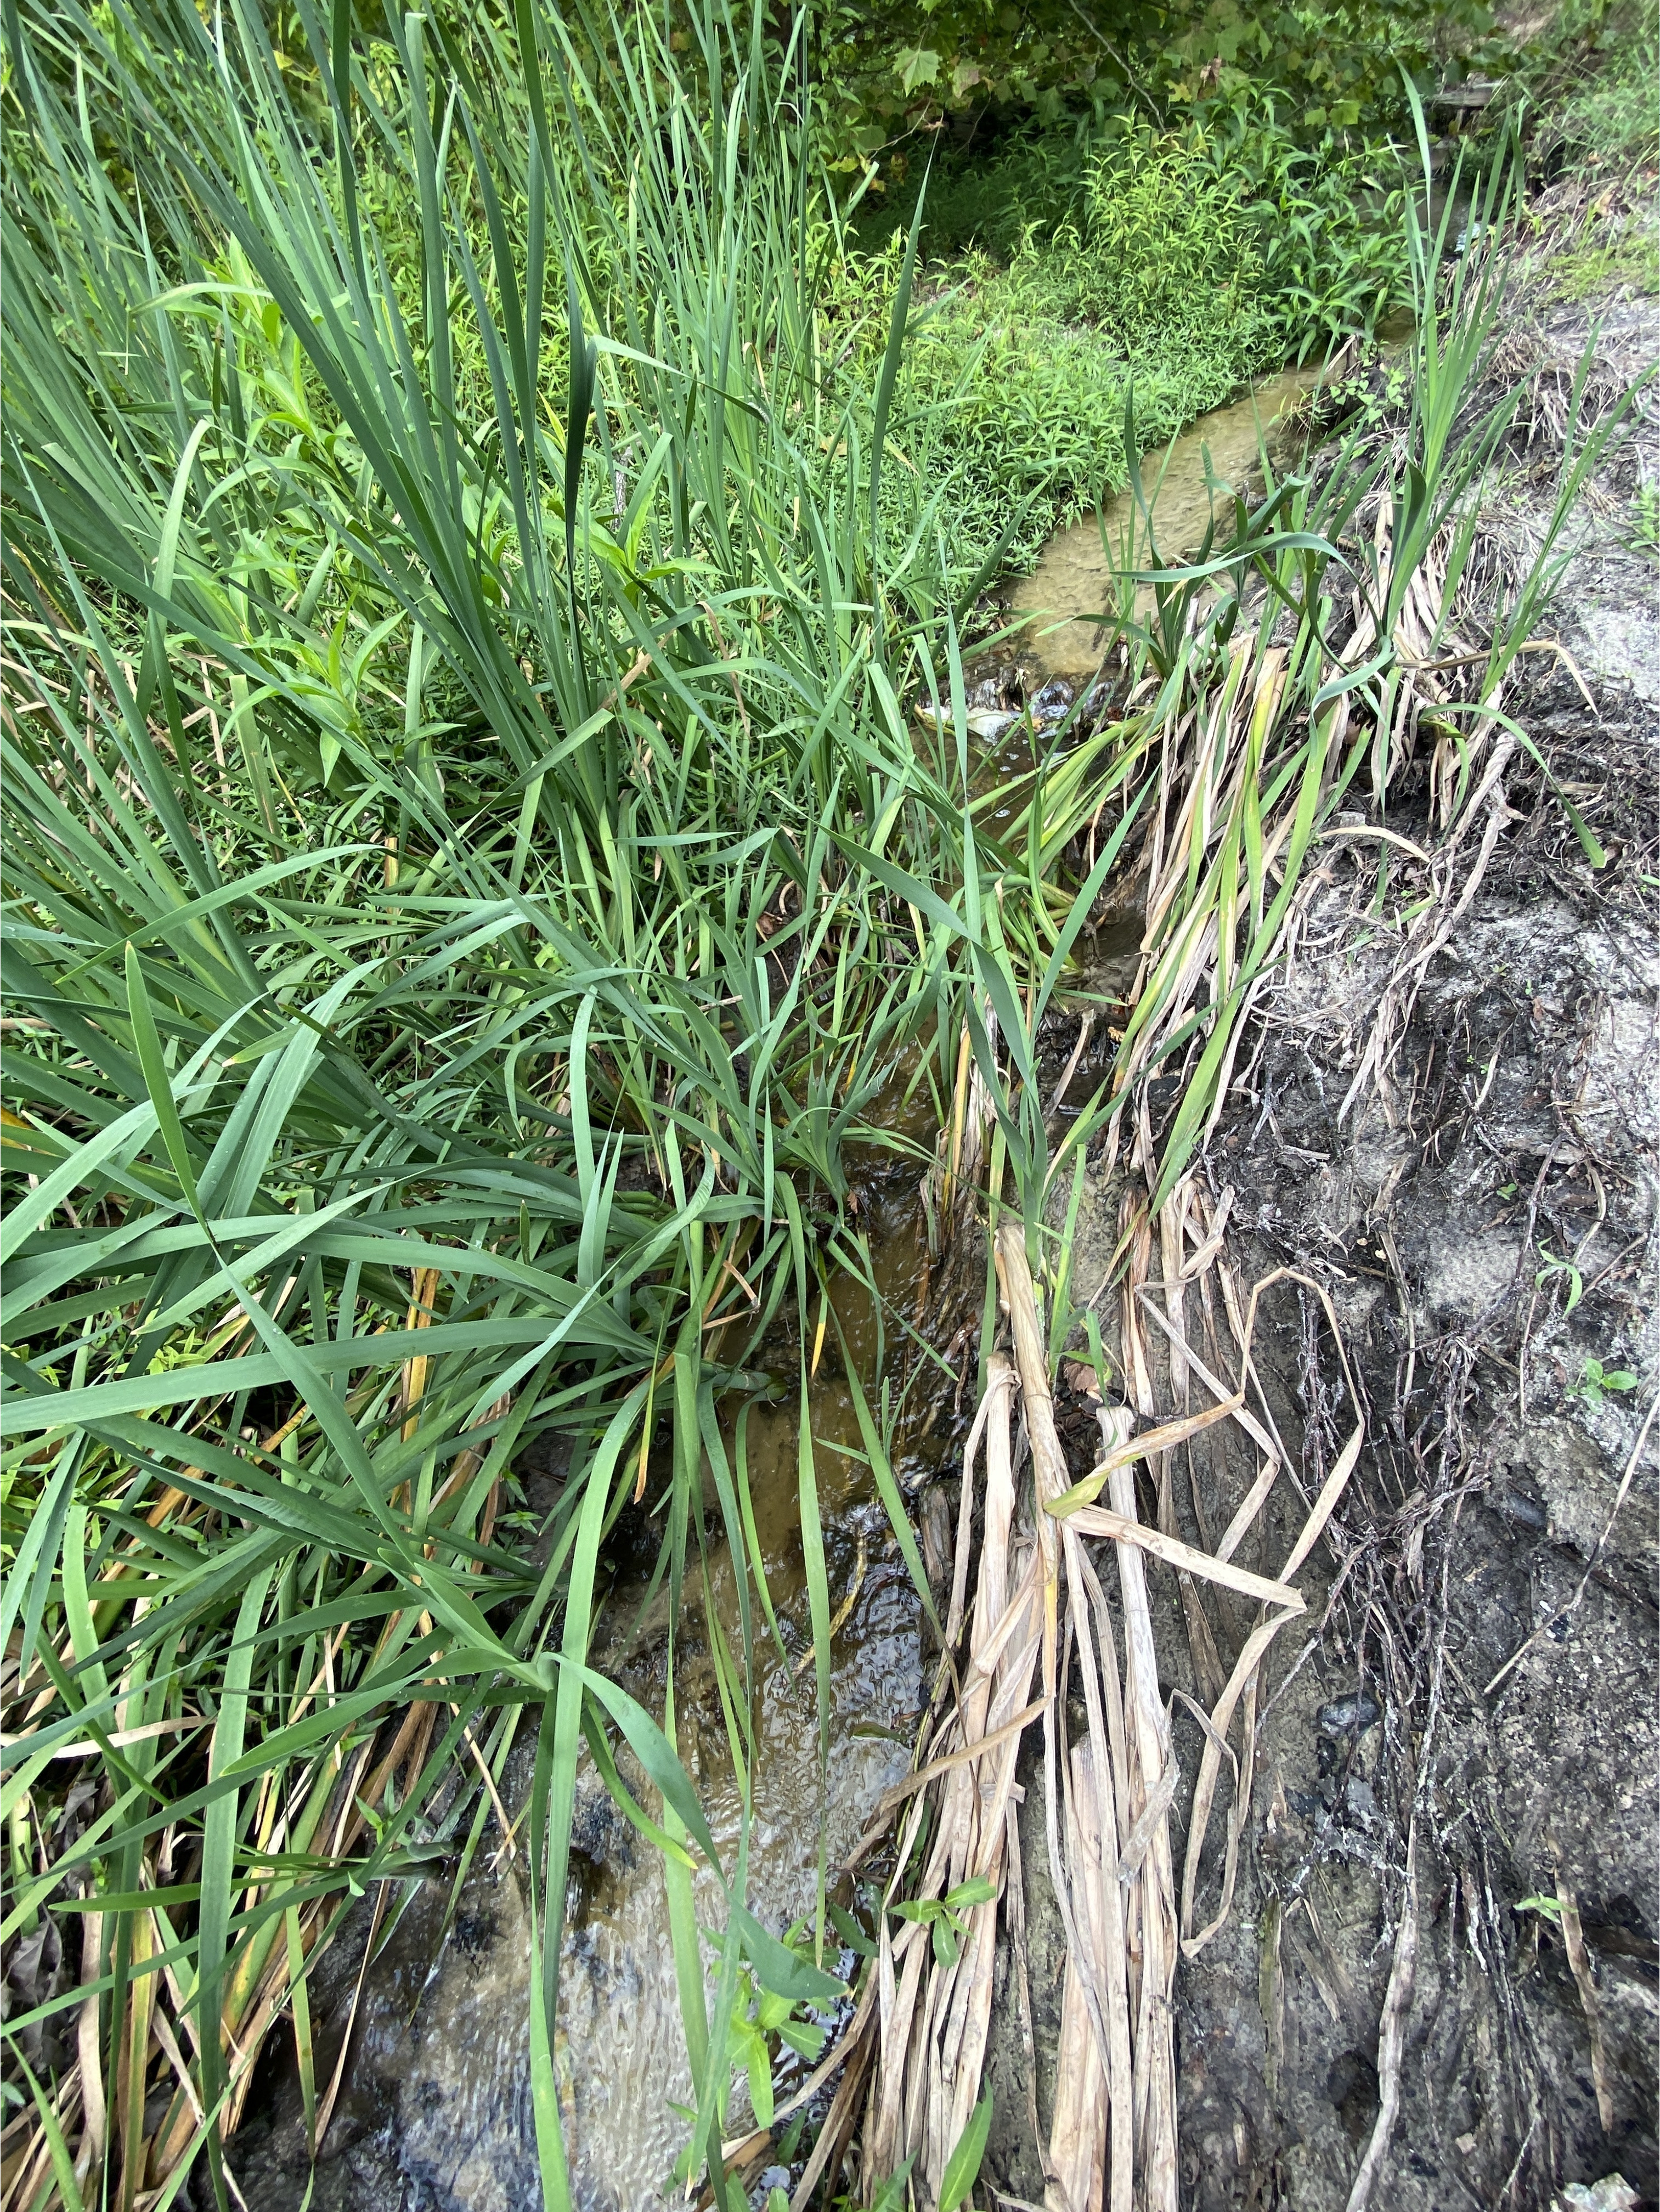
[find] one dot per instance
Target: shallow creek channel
(1219, 454)
(434, 2107)
(434, 2112)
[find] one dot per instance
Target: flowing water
(438, 2113)
(1071, 589)
(434, 2113)
(435, 2109)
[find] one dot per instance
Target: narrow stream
(1073, 580)
(435, 2109)
(438, 2113)
(435, 2113)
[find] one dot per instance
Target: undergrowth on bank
(477, 537)
(1071, 269)
(1594, 85)
(1179, 234)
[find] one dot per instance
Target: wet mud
(1462, 1734)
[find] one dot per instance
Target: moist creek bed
(1459, 1740)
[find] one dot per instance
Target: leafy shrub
(1172, 261)
(1325, 219)
(1230, 240)
(1332, 63)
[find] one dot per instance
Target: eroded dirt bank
(1450, 1125)
(1478, 1672)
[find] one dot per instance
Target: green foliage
(991, 193)
(891, 2192)
(1595, 76)
(469, 866)
(1018, 417)
(1552, 1269)
(962, 2167)
(1327, 218)
(472, 547)
(760, 2017)
(1233, 240)
(882, 75)
(943, 1916)
(1169, 259)
(1331, 63)
(1614, 250)
(1596, 1382)
(1548, 1908)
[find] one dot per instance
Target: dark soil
(1519, 1123)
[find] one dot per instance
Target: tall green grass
(471, 863)
(468, 869)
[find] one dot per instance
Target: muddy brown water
(1072, 585)
(434, 2113)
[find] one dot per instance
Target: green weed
(1548, 1908)
(1625, 252)
(943, 1916)
(1596, 1382)
(1605, 64)
(1567, 1270)
(961, 2168)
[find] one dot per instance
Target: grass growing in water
(469, 866)
(454, 729)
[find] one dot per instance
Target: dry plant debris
(1040, 1609)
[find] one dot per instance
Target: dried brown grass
(1040, 1610)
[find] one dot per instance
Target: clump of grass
(456, 638)
(1617, 250)
(1605, 64)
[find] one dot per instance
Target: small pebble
(1361, 1798)
(1351, 1716)
(1516, 1505)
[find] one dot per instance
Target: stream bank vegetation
(492, 808)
